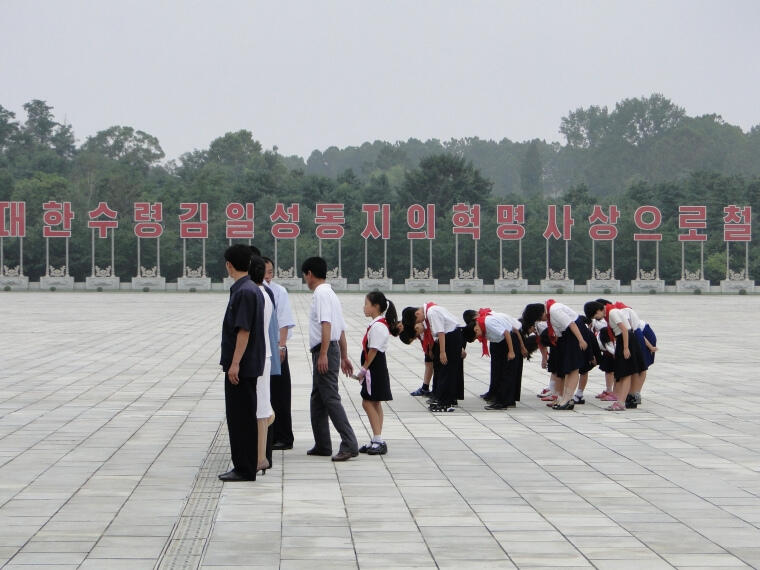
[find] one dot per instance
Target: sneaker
(378, 449)
(602, 394)
(630, 402)
(609, 397)
(421, 391)
(578, 400)
(544, 392)
(549, 398)
(615, 407)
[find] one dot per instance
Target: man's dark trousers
(240, 403)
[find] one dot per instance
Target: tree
(585, 128)
(9, 129)
(530, 171)
(126, 145)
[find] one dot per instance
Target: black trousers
(280, 393)
(449, 377)
(506, 375)
(240, 405)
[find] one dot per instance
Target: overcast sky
(312, 74)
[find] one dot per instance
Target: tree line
(644, 151)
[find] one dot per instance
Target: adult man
(282, 429)
(242, 359)
(327, 340)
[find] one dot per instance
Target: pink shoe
(549, 398)
(615, 407)
(609, 397)
(544, 392)
(602, 394)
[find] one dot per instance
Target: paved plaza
(112, 433)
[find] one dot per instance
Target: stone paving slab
(112, 433)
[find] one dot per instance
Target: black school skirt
(381, 381)
(571, 357)
(627, 366)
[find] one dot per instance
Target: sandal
(615, 407)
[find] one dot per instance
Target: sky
(305, 75)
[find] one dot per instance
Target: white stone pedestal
(424, 285)
(370, 284)
(140, 283)
(646, 285)
(736, 285)
(64, 282)
(20, 283)
(227, 282)
(197, 283)
(603, 285)
(690, 285)
(509, 285)
(465, 285)
(338, 283)
(291, 283)
(554, 285)
(105, 283)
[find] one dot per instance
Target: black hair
(317, 266)
(531, 344)
(604, 301)
(267, 260)
(406, 336)
(257, 269)
(544, 337)
(409, 318)
(469, 315)
(378, 299)
(468, 332)
(590, 309)
(255, 250)
(239, 256)
(532, 313)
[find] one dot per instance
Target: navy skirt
(627, 366)
(571, 357)
(648, 334)
(381, 382)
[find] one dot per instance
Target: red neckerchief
(427, 335)
(607, 309)
(366, 334)
(552, 334)
(481, 320)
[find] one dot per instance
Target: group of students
(609, 335)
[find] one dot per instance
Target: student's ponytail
(392, 319)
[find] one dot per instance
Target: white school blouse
(378, 335)
(441, 321)
(282, 305)
(561, 317)
(617, 321)
(499, 323)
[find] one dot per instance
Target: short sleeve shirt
(284, 311)
(616, 319)
(325, 307)
(497, 324)
(561, 317)
(441, 321)
(378, 335)
(244, 311)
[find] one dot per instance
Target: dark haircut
(468, 332)
(378, 299)
(267, 260)
(531, 314)
(406, 336)
(255, 250)
(317, 266)
(409, 319)
(239, 256)
(544, 337)
(531, 344)
(469, 315)
(605, 334)
(590, 309)
(604, 301)
(257, 269)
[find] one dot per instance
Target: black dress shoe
(320, 452)
(496, 407)
(344, 455)
(569, 405)
(365, 448)
(232, 476)
(279, 445)
(380, 449)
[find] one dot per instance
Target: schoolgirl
(447, 352)
(572, 341)
(426, 340)
(628, 361)
(376, 383)
(648, 343)
(501, 338)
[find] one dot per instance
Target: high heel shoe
(263, 467)
(569, 405)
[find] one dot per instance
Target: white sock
(377, 439)
(579, 393)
